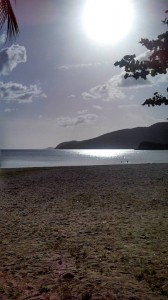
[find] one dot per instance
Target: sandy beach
(84, 233)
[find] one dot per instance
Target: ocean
(57, 158)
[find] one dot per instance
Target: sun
(107, 21)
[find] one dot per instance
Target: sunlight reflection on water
(57, 157)
(104, 153)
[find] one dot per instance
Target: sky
(57, 83)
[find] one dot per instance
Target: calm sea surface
(53, 157)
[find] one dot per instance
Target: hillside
(123, 139)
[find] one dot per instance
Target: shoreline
(82, 166)
(80, 233)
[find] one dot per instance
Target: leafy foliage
(7, 15)
(156, 64)
(157, 99)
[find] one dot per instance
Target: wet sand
(98, 232)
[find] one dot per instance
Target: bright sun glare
(107, 21)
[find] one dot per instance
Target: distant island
(154, 137)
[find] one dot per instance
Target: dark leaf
(7, 15)
(157, 63)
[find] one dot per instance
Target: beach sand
(98, 232)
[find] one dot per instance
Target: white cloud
(17, 92)
(2, 38)
(114, 88)
(130, 82)
(11, 57)
(97, 107)
(133, 83)
(8, 110)
(72, 96)
(144, 56)
(162, 78)
(128, 105)
(82, 119)
(70, 67)
(106, 92)
(77, 66)
(81, 112)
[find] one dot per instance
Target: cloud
(114, 88)
(2, 38)
(11, 57)
(144, 56)
(105, 92)
(82, 119)
(8, 110)
(97, 107)
(70, 67)
(81, 112)
(17, 92)
(133, 83)
(130, 82)
(77, 66)
(72, 96)
(128, 105)
(161, 78)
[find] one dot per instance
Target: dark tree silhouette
(156, 64)
(7, 16)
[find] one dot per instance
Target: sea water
(59, 157)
